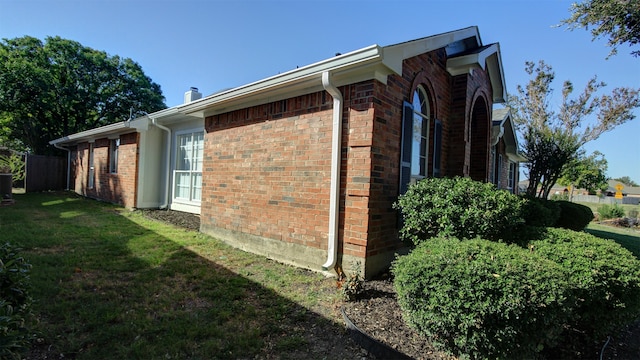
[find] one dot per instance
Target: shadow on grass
(107, 287)
(628, 241)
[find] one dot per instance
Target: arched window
(416, 125)
(420, 138)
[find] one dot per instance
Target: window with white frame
(114, 144)
(414, 153)
(512, 175)
(420, 135)
(92, 170)
(187, 176)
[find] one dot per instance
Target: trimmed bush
(15, 302)
(604, 280)
(480, 298)
(540, 212)
(457, 207)
(573, 216)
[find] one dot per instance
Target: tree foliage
(586, 172)
(57, 87)
(619, 20)
(627, 181)
(552, 139)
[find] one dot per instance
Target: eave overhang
(463, 48)
(111, 130)
(487, 58)
(360, 65)
(502, 127)
(372, 62)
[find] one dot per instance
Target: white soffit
(395, 54)
(488, 59)
(110, 130)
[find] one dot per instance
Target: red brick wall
(267, 168)
(470, 125)
(119, 188)
(428, 71)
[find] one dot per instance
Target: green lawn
(109, 283)
(628, 238)
(594, 206)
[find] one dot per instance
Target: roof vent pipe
(192, 95)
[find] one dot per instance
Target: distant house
(304, 166)
(630, 192)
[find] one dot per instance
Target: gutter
(336, 141)
(165, 204)
(68, 162)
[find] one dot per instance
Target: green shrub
(560, 196)
(610, 212)
(633, 213)
(573, 216)
(540, 212)
(13, 164)
(604, 280)
(15, 302)
(457, 207)
(480, 298)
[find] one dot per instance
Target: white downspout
(68, 163)
(166, 190)
(334, 201)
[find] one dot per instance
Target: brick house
(304, 166)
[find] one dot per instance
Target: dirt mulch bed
(177, 218)
(378, 314)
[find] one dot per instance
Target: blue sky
(218, 44)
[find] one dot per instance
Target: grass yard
(109, 283)
(628, 238)
(594, 206)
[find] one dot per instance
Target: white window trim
(91, 180)
(511, 181)
(113, 164)
(426, 118)
(182, 204)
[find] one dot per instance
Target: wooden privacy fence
(45, 173)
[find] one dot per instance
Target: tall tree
(57, 87)
(619, 20)
(627, 181)
(586, 172)
(553, 139)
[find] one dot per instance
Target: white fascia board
(372, 62)
(395, 54)
(488, 59)
(102, 131)
(511, 141)
(461, 64)
(107, 131)
(496, 75)
(298, 81)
